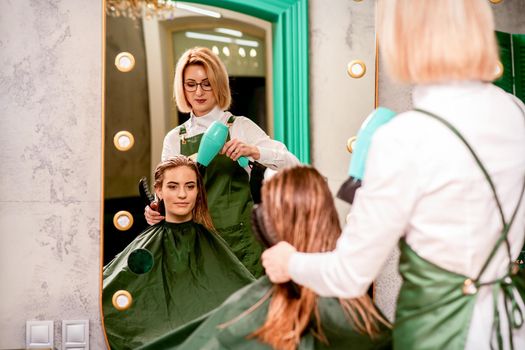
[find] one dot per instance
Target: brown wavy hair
(200, 212)
(301, 211)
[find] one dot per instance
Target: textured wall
(50, 150)
(339, 33)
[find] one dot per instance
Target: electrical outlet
(75, 334)
(39, 334)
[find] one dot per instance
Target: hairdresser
(445, 181)
(201, 87)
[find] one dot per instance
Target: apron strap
(182, 134)
(230, 121)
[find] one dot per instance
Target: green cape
(193, 272)
(204, 333)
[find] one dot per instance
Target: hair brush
(147, 197)
(265, 234)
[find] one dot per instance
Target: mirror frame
(289, 20)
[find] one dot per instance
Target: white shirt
(422, 183)
(273, 154)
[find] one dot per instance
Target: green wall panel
(512, 56)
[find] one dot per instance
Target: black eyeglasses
(192, 85)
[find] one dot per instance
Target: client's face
(179, 192)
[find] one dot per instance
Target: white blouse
(421, 183)
(274, 154)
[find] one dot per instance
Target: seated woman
(174, 271)
(297, 207)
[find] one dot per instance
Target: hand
(275, 261)
(235, 149)
(152, 215)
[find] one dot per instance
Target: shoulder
(405, 129)
(173, 134)
(244, 122)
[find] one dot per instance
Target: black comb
(145, 194)
(148, 198)
(266, 235)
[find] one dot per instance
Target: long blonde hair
(435, 41)
(301, 211)
(200, 213)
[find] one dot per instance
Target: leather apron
(229, 201)
(435, 306)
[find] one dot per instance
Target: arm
(171, 144)
(272, 153)
(379, 217)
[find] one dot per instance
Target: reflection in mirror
(141, 54)
(140, 100)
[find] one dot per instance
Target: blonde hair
(200, 213)
(431, 41)
(215, 70)
(300, 195)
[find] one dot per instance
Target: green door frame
(289, 20)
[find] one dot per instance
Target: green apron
(190, 271)
(229, 201)
(435, 306)
(205, 333)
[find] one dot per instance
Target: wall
(50, 149)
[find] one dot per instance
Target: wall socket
(39, 334)
(75, 335)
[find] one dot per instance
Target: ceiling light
(198, 10)
(228, 31)
(210, 37)
(250, 43)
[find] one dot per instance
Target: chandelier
(160, 9)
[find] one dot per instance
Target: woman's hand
(275, 261)
(152, 216)
(235, 149)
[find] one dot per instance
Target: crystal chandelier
(160, 9)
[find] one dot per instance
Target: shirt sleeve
(378, 218)
(171, 145)
(274, 154)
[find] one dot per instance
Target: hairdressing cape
(189, 272)
(226, 327)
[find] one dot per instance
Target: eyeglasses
(192, 85)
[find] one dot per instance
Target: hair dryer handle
(243, 161)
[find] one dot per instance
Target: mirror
(265, 50)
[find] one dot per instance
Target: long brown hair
(200, 213)
(301, 211)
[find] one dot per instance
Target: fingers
(235, 149)
(275, 261)
(152, 216)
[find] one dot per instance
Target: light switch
(75, 334)
(39, 334)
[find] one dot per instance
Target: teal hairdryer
(212, 142)
(379, 117)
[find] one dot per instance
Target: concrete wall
(50, 150)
